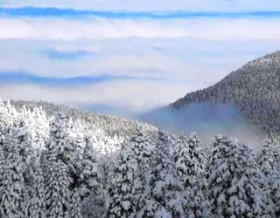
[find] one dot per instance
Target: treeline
(57, 167)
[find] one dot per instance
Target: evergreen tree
(234, 188)
(142, 146)
(275, 190)
(269, 162)
(57, 190)
(12, 187)
(7, 117)
(122, 187)
(89, 175)
(2, 164)
(94, 206)
(76, 205)
(57, 183)
(38, 127)
(165, 198)
(91, 189)
(67, 149)
(37, 206)
(59, 137)
(269, 158)
(190, 165)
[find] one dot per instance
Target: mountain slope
(254, 90)
(110, 124)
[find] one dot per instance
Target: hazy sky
(116, 54)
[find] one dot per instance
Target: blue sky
(136, 55)
(83, 13)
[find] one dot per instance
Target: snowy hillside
(254, 90)
(110, 124)
(52, 165)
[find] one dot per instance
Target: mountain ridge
(254, 89)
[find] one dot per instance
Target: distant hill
(110, 124)
(245, 104)
(254, 89)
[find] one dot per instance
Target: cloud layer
(103, 29)
(122, 54)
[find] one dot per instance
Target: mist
(206, 119)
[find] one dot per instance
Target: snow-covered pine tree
(6, 118)
(142, 145)
(2, 164)
(38, 127)
(190, 164)
(12, 187)
(57, 190)
(234, 189)
(95, 206)
(12, 113)
(90, 187)
(122, 186)
(76, 205)
(56, 173)
(33, 181)
(25, 145)
(37, 206)
(275, 190)
(77, 132)
(165, 198)
(107, 149)
(269, 162)
(59, 137)
(269, 158)
(65, 146)
(89, 175)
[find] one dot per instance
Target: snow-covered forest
(62, 164)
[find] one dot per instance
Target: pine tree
(76, 205)
(89, 178)
(269, 162)
(2, 164)
(234, 188)
(7, 117)
(38, 127)
(67, 149)
(37, 206)
(190, 165)
(269, 158)
(25, 145)
(57, 190)
(59, 137)
(12, 187)
(57, 183)
(165, 198)
(90, 188)
(275, 190)
(94, 206)
(142, 146)
(122, 187)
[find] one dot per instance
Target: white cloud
(102, 29)
(196, 52)
(135, 96)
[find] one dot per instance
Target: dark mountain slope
(254, 89)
